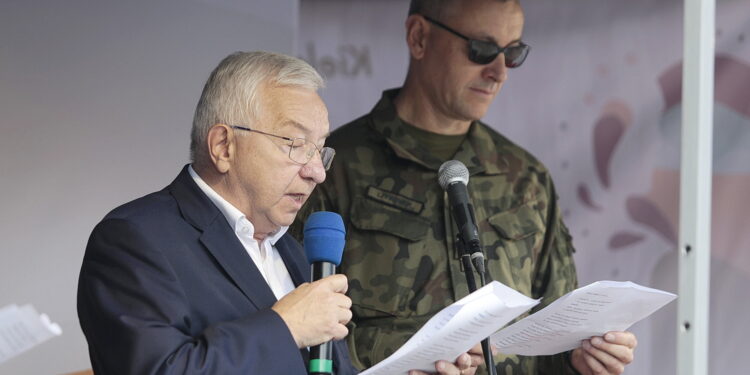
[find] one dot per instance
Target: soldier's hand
(316, 312)
(606, 354)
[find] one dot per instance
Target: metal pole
(695, 187)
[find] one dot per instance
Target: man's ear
(221, 147)
(416, 35)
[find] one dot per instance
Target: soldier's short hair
(434, 8)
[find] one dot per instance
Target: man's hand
(604, 355)
(316, 312)
(465, 364)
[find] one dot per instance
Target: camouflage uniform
(400, 256)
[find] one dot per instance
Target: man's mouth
(298, 197)
(483, 91)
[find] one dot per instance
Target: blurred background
(97, 99)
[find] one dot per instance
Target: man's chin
(474, 115)
(285, 219)
(474, 112)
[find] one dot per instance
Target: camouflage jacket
(400, 256)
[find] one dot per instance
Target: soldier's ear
(416, 35)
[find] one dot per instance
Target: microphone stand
(468, 270)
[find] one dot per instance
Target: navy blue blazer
(167, 288)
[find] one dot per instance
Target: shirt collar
(234, 216)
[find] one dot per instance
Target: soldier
(400, 257)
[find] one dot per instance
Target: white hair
(231, 93)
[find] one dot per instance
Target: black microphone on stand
(324, 240)
(453, 178)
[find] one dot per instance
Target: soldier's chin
(475, 112)
(482, 112)
(476, 115)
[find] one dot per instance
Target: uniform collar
(478, 150)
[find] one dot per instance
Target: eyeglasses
(301, 151)
(484, 52)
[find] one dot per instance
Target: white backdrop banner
(599, 101)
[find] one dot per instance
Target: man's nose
(314, 169)
(496, 70)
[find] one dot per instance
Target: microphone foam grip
(324, 237)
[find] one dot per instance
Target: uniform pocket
(517, 223)
(514, 246)
(373, 216)
(384, 247)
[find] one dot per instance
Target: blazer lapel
(294, 258)
(220, 240)
(223, 244)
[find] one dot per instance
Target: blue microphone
(324, 238)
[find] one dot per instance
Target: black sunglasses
(484, 52)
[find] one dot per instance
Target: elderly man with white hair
(201, 277)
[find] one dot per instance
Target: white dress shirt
(264, 255)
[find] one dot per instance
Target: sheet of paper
(589, 311)
(22, 328)
(456, 329)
